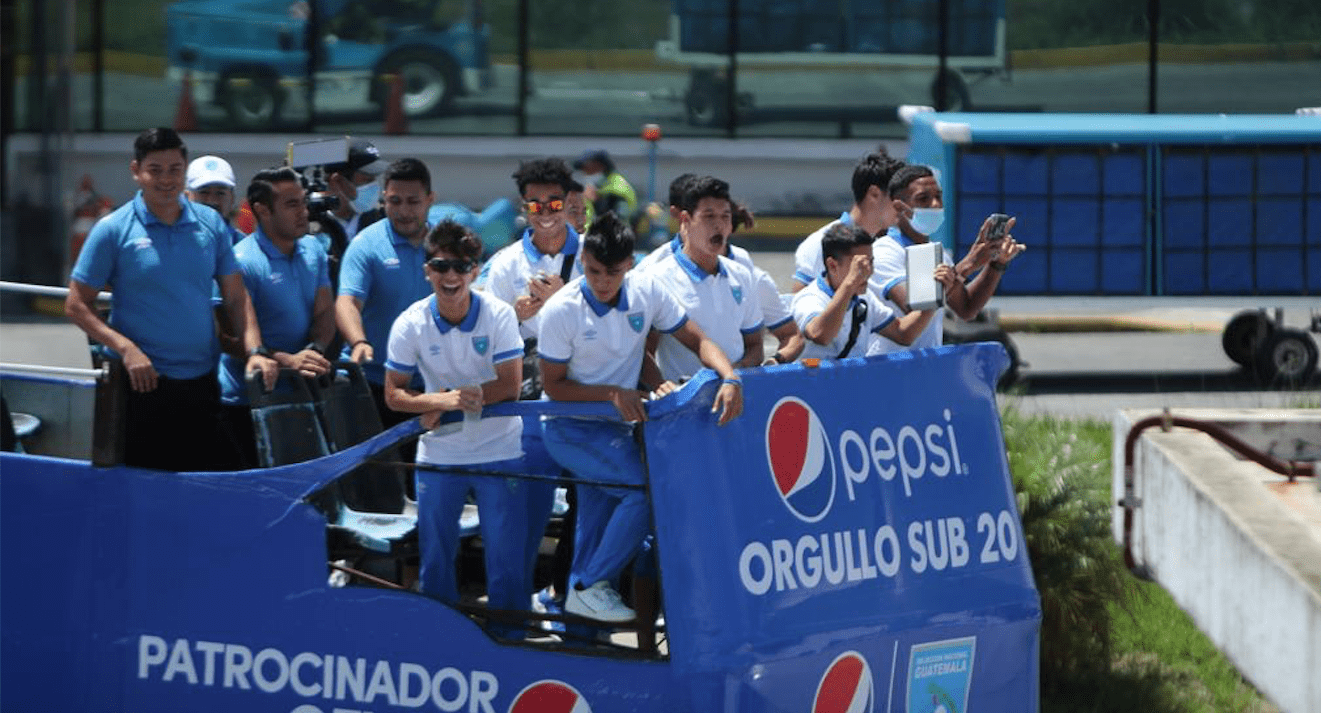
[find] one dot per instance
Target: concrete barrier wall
(1215, 532)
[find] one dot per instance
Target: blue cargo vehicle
(1200, 209)
(850, 543)
(826, 34)
(254, 59)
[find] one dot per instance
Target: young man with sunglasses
(382, 275)
(526, 273)
(458, 339)
(838, 314)
(592, 337)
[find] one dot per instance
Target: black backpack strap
(566, 269)
(859, 316)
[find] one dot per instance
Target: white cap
(206, 170)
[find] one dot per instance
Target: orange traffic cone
(395, 120)
(185, 118)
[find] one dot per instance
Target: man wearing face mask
(920, 210)
(606, 189)
(354, 183)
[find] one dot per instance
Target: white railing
(44, 290)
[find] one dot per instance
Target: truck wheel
(956, 92)
(251, 101)
(707, 99)
(1244, 333)
(431, 81)
(1287, 356)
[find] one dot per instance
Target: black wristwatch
(260, 350)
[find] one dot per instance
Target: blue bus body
(850, 543)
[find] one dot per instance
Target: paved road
(1066, 374)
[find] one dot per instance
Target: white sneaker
(598, 602)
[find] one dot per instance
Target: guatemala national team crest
(802, 463)
(846, 686)
(635, 321)
(738, 294)
(549, 697)
(940, 676)
(480, 344)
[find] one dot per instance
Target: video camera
(309, 159)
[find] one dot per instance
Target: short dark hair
(609, 239)
(842, 238)
(875, 169)
(742, 215)
(679, 186)
(543, 170)
(160, 138)
(705, 187)
(262, 188)
(407, 169)
(905, 176)
(454, 238)
(575, 187)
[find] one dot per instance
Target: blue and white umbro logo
(390, 262)
(435, 350)
(142, 243)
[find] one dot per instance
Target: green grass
(1110, 642)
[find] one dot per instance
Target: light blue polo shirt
(283, 290)
(162, 277)
(381, 268)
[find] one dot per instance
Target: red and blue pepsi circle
(801, 460)
(549, 696)
(846, 686)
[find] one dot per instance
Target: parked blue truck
(253, 58)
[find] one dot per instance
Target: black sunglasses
(441, 265)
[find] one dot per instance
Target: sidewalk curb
(1055, 324)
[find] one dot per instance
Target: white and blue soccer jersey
(506, 274)
(890, 268)
(809, 263)
(602, 344)
(724, 305)
(774, 312)
(812, 300)
(450, 356)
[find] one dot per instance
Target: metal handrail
(1290, 469)
(44, 290)
(52, 370)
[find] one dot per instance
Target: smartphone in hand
(999, 227)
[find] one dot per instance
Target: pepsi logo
(549, 697)
(846, 687)
(802, 463)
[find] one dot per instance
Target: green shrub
(1059, 476)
